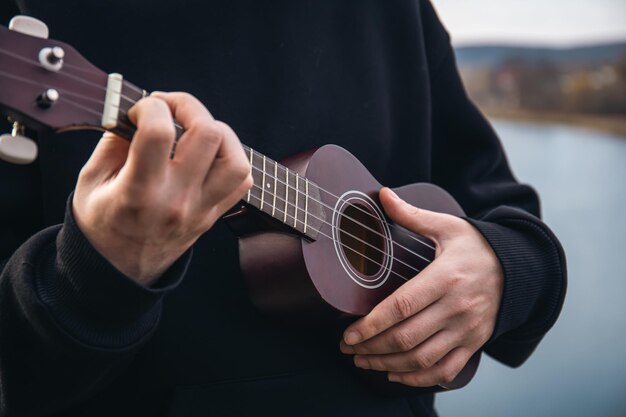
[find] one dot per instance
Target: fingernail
(393, 377)
(352, 337)
(345, 348)
(361, 362)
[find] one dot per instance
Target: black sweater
(375, 77)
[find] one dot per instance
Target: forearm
(69, 322)
(535, 282)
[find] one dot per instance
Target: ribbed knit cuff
(534, 274)
(92, 300)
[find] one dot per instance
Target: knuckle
(466, 306)
(159, 130)
(452, 278)
(208, 130)
(422, 360)
(247, 182)
(175, 215)
(134, 198)
(474, 326)
(224, 127)
(87, 172)
(184, 96)
(402, 340)
(413, 211)
(241, 170)
(411, 380)
(448, 374)
(402, 306)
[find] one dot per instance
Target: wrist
(140, 261)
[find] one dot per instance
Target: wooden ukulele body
(291, 276)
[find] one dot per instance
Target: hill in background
(583, 82)
(494, 55)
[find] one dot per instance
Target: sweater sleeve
(469, 162)
(69, 319)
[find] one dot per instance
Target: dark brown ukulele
(312, 242)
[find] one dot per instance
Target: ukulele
(312, 242)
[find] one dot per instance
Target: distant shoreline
(611, 124)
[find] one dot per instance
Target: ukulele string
(72, 76)
(65, 92)
(337, 198)
(131, 101)
(288, 203)
(383, 267)
(330, 225)
(324, 222)
(283, 169)
(62, 97)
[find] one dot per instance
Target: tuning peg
(29, 26)
(17, 148)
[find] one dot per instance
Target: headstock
(46, 85)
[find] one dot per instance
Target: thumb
(109, 156)
(425, 222)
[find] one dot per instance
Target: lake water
(579, 369)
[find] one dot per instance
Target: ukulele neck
(277, 191)
(284, 194)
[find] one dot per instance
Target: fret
(252, 169)
(256, 192)
(286, 193)
(275, 189)
(306, 204)
(263, 184)
(295, 212)
(267, 192)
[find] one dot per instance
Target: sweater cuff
(533, 264)
(92, 300)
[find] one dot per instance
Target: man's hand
(140, 209)
(425, 332)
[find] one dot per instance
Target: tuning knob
(17, 148)
(29, 26)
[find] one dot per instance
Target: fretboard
(284, 194)
(277, 191)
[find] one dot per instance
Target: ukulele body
(294, 277)
(357, 259)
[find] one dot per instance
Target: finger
(185, 107)
(423, 356)
(408, 300)
(229, 177)
(201, 138)
(107, 158)
(444, 372)
(425, 222)
(149, 151)
(404, 336)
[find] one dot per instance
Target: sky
(558, 23)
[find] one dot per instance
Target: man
(86, 329)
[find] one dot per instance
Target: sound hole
(362, 242)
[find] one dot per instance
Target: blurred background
(551, 77)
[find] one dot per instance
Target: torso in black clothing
(287, 76)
